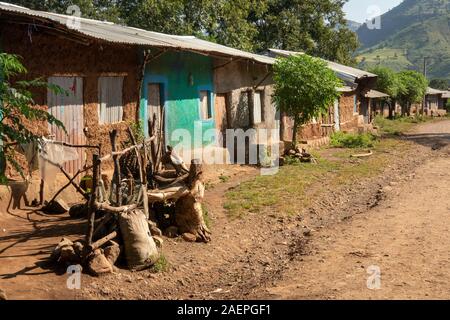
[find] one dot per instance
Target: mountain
(412, 31)
(353, 25)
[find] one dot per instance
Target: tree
(16, 110)
(312, 26)
(440, 84)
(412, 90)
(304, 88)
(388, 82)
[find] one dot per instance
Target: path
(407, 237)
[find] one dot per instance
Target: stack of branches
(128, 221)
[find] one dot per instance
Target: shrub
(352, 140)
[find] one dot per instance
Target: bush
(352, 140)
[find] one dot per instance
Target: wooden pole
(117, 174)
(92, 200)
(142, 174)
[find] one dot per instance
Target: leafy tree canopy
(413, 88)
(316, 27)
(305, 87)
(440, 84)
(16, 105)
(388, 81)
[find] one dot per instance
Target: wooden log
(173, 193)
(92, 200)
(117, 174)
(97, 244)
(108, 208)
(142, 174)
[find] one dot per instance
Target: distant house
(435, 102)
(116, 75)
(377, 103)
(351, 113)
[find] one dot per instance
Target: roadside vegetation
(353, 140)
(399, 125)
(297, 184)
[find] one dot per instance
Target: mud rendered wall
(45, 55)
(238, 78)
(182, 76)
(348, 114)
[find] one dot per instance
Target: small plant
(161, 265)
(206, 216)
(224, 178)
(352, 140)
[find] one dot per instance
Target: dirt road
(404, 242)
(397, 221)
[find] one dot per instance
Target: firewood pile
(300, 154)
(152, 193)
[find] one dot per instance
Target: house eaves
(114, 33)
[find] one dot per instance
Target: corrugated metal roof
(115, 33)
(345, 72)
(446, 95)
(432, 91)
(375, 94)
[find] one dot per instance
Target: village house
(186, 83)
(351, 113)
(435, 102)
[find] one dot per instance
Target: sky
(362, 10)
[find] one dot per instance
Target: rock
(159, 241)
(306, 232)
(78, 247)
(189, 237)
(3, 295)
(69, 256)
(112, 252)
(56, 207)
(171, 232)
(154, 230)
(98, 264)
(78, 211)
(57, 251)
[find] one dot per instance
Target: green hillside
(421, 29)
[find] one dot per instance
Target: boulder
(171, 232)
(3, 295)
(57, 251)
(78, 211)
(98, 264)
(158, 241)
(112, 252)
(57, 206)
(189, 237)
(69, 256)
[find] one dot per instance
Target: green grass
(352, 140)
(206, 216)
(161, 265)
(224, 178)
(398, 126)
(297, 185)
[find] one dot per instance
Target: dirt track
(406, 235)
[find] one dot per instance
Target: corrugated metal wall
(69, 110)
(110, 99)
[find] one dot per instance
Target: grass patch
(224, 178)
(296, 185)
(399, 125)
(161, 265)
(352, 140)
(206, 216)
